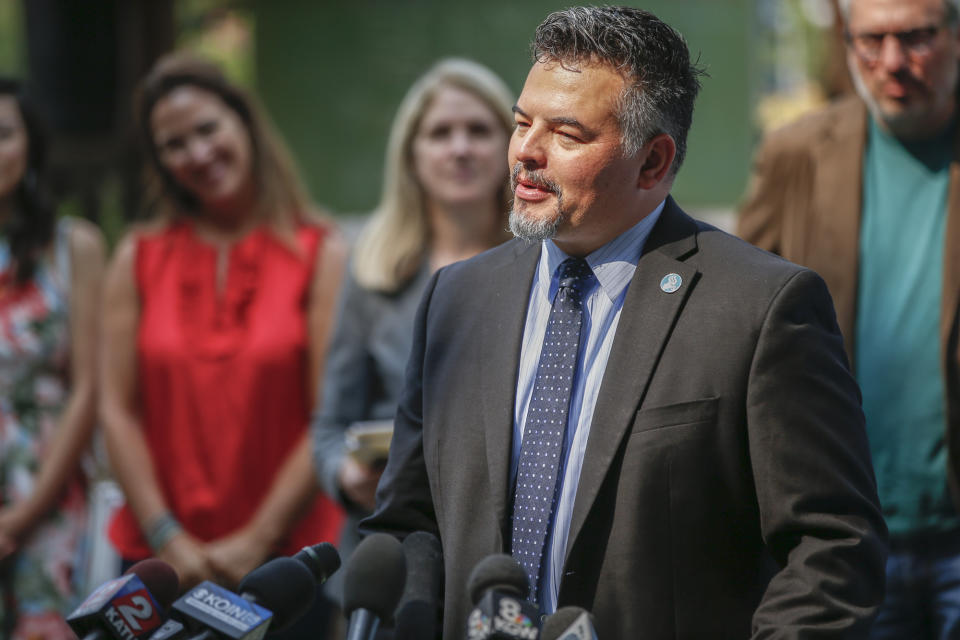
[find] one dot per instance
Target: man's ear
(658, 155)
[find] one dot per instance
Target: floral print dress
(39, 583)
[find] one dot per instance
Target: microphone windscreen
(424, 557)
(501, 572)
(282, 585)
(417, 614)
(159, 578)
(559, 621)
(375, 576)
(568, 623)
(321, 559)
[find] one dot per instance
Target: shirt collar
(613, 264)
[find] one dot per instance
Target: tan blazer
(804, 203)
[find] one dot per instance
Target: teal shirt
(898, 360)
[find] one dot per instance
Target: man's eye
(918, 36)
(870, 40)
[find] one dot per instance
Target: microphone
(125, 608)
(275, 594)
(160, 576)
(170, 630)
(166, 585)
(210, 612)
(373, 584)
(321, 559)
(498, 587)
(568, 623)
(417, 616)
(284, 586)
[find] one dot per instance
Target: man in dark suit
(653, 417)
(866, 191)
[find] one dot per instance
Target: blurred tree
(221, 30)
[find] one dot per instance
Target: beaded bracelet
(162, 530)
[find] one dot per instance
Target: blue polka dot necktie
(541, 453)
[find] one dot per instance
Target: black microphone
(285, 586)
(272, 596)
(373, 584)
(498, 587)
(418, 614)
(125, 608)
(321, 559)
(568, 623)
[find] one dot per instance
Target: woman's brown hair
(281, 198)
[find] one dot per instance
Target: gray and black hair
(661, 81)
(951, 10)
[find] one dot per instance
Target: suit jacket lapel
(500, 342)
(647, 317)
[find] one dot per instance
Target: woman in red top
(216, 320)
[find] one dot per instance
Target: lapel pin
(671, 282)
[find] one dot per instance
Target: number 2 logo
(139, 609)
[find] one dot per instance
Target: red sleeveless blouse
(223, 379)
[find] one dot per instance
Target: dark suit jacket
(726, 488)
(804, 204)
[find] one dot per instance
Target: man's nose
(892, 54)
(530, 149)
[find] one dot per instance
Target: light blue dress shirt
(613, 265)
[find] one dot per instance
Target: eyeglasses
(916, 43)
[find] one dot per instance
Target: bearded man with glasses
(867, 193)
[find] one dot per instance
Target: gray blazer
(727, 488)
(362, 381)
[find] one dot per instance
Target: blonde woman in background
(444, 199)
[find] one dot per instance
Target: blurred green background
(332, 72)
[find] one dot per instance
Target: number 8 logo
(509, 609)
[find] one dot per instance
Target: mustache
(535, 178)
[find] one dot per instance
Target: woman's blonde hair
(392, 246)
(281, 198)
